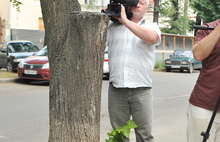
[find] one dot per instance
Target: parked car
(35, 67)
(182, 59)
(105, 64)
(13, 52)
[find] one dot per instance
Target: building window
(40, 24)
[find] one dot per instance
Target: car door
(3, 55)
(197, 64)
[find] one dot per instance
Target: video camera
(114, 8)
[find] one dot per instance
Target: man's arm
(143, 33)
(204, 48)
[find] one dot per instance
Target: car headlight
(21, 64)
(168, 62)
(185, 62)
(18, 60)
(46, 66)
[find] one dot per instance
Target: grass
(7, 74)
(159, 65)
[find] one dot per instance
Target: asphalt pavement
(171, 93)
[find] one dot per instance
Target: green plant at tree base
(120, 132)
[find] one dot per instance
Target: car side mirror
(170, 55)
(3, 51)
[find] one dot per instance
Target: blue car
(13, 52)
(182, 59)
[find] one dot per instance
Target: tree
(174, 18)
(207, 10)
(76, 42)
(16, 4)
(156, 11)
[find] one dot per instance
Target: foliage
(16, 4)
(120, 132)
(174, 20)
(208, 10)
(159, 65)
(6, 74)
(91, 4)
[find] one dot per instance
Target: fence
(163, 36)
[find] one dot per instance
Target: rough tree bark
(76, 42)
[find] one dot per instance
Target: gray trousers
(136, 102)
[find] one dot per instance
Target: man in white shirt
(131, 48)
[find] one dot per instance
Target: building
(30, 16)
(28, 23)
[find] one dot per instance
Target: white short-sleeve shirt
(131, 60)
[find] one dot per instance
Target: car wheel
(25, 80)
(167, 70)
(9, 66)
(181, 70)
(190, 69)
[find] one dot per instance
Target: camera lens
(114, 10)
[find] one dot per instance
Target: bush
(159, 65)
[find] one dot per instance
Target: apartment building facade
(30, 15)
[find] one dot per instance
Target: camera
(114, 8)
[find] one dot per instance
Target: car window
(106, 50)
(22, 47)
(42, 52)
(182, 53)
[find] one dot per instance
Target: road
(24, 109)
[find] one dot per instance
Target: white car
(105, 64)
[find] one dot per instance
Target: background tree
(173, 17)
(76, 42)
(156, 11)
(206, 11)
(16, 4)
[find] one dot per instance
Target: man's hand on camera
(104, 9)
(122, 19)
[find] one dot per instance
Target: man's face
(139, 10)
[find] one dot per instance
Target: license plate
(175, 67)
(31, 72)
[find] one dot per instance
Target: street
(24, 109)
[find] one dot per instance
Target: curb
(8, 80)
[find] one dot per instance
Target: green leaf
(126, 131)
(114, 132)
(109, 134)
(119, 129)
(112, 140)
(131, 124)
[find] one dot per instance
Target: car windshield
(182, 53)
(42, 52)
(22, 47)
(106, 50)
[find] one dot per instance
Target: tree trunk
(176, 14)
(185, 15)
(176, 8)
(156, 12)
(76, 42)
